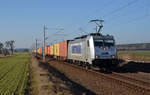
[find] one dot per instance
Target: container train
(93, 49)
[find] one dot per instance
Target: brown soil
(57, 78)
(99, 85)
(49, 81)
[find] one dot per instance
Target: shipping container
(63, 50)
(56, 50)
(51, 50)
(38, 50)
(41, 51)
(48, 48)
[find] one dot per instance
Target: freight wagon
(48, 50)
(51, 50)
(63, 50)
(56, 50)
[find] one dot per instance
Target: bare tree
(7, 44)
(6, 49)
(1, 47)
(12, 46)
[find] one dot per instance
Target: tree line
(7, 48)
(138, 46)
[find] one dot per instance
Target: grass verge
(135, 55)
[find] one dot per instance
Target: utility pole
(44, 28)
(36, 46)
(44, 39)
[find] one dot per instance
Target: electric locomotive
(93, 49)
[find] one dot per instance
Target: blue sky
(23, 20)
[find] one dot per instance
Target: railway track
(134, 84)
(138, 85)
(135, 80)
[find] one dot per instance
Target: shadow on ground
(132, 67)
(76, 88)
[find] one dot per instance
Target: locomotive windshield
(98, 42)
(108, 42)
(103, 42)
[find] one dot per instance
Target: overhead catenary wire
(135, 19)
(121, 8)
(101, 9)
(139, 18)
(119, 16)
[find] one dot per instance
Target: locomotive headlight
(113, 56)
(96, 57)
(104, 49)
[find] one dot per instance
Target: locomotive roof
(92, 34)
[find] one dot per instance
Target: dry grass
(135, 55)
(33, 80)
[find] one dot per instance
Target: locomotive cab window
(98, 42)
(104, 42)
(109, 42)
